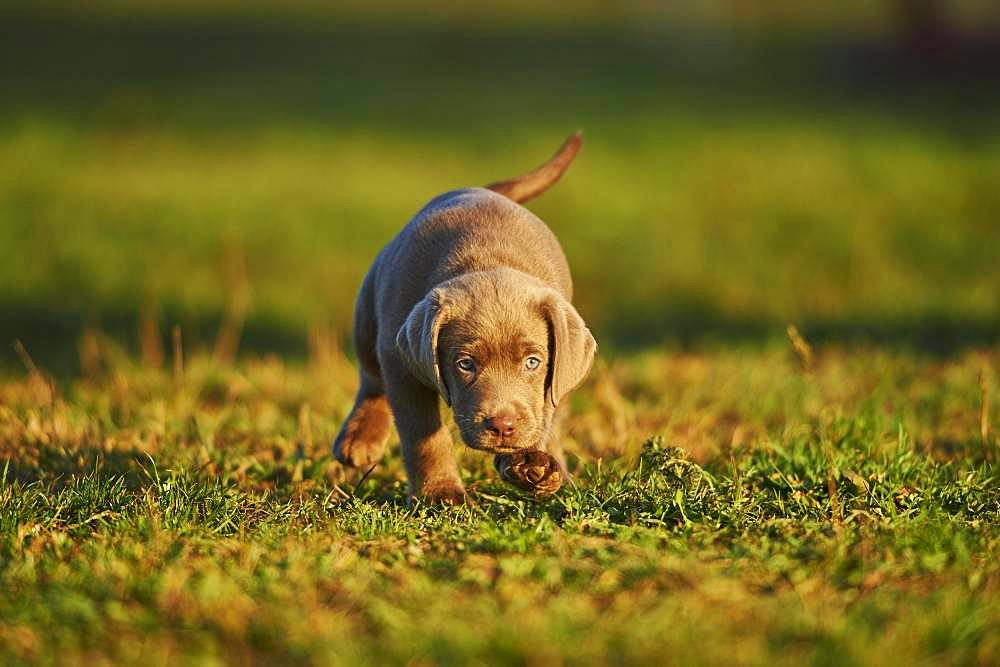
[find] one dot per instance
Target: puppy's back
(475, 229)
(463, 231)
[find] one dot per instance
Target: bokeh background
(236, 165)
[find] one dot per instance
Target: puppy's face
(502, 350)
(494, 363)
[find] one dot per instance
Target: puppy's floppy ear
(417, 340)
(571, 346)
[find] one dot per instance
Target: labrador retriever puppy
(469, 303)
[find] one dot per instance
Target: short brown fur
(470, 302)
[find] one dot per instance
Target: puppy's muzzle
(502, 425)
(501, 432)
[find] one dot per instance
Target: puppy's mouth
(486, 442)
(496, 447)
(477, 435)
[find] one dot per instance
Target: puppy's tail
(535, 183)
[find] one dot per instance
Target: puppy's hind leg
(363, 436)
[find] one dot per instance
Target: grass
(221, 167)
(844, 514)
(733, 180)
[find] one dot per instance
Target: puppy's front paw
(444, 493)
(530, 470)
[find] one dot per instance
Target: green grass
(733, 179)
(166, 163)
(845, 514)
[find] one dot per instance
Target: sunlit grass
(724, 190)
(755, 226)
(176, 169)
(849, 510)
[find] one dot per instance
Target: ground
(191, 192)
(845, 514)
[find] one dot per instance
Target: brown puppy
(469, 303)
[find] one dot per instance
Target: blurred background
(234, 166)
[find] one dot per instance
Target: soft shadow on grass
(51, 334)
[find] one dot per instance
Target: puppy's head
(502, 350)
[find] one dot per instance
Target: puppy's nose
(502, 425)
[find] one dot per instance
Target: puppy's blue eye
(466, 364)
(532, 363)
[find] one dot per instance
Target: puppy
(470, 303)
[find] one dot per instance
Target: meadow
(190, 194)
